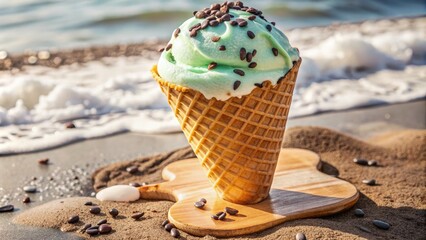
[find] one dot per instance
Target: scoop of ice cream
(226, 50)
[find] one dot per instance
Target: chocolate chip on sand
(26, 200)
(30, 189)
(239, 72)
(85, 227)
(44, 161)
(113, 212)
(381, 224)
(103, 221)
(73, 219)
(95, 210)
(92, 231)
(7, 208)
(169, 227)
(137, 216)
(89, 203)
(199, 204)
(105, 228)
(369, 182)
(359, 212)
(165, 222)
(300, 236)
(231, 211)
(212, 66)
(275, 51)
(174, 233)
(132, 169)
(215, 38)
(237, 84)
(360, 161)
(372, 163)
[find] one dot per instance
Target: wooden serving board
(299, 190)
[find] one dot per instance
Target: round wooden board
(299, 190)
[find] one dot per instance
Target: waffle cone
(237, 140)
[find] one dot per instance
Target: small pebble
(32, 59)
(362, 228)
(359, 213)
(7, 208)
(43, 55)
(231, 211)
(113, 212)
(359, 161)
(95, 210)
(44, 161)
(381, 224)
(26, 200)
(30, 189)
(372, 163)
(88, 203)
(69, 125)
(92, 231)
(137, 216)
(199, 204)
(3, 55)
(174, 232)
(203, 200)
(85, 227)
(169, 227)
(132, 169)
(222, 216)
(165, 222)
(134, 184)
(300, 236)
(369, 182)
(73, 219)
(103, 221)
(104, 229)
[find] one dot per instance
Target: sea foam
(342, 71)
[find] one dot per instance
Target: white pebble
(119, 193)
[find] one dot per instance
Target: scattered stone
(231, 211)
(174, 232)
(372, 163)
(95, 210)
(7, 208)
(203, 200)
(135, 184)
(69, 125)
(73, 219)
(132, 169)
(32, 59)
(369, 182)
(30, 189)
(43, 55)
(105, 228)
(199, 204)
(114, 212)
(165, 222)
(103, 221)
(137, 216)
(221, 216)
(92, 231)
(300, 236)
(3, 55)
(359, 212)
(26, 200)
(381, 224)
(85, 227)
(169, 227)
(362, 228)
(88, 203)
(44, 161)
(359, 161)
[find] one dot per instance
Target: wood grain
(299, 190)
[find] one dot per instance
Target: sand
(399, 197)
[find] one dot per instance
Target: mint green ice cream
(226, 50)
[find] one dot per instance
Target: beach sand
(398, 198)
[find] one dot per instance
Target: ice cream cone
(237, 140)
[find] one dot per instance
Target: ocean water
(54, 24)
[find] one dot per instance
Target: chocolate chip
(176, 33)
(372, 163)
(212, 17)
(213, 12)
(132, 169)
(252, 17)
(113, 212)
(219, 14)
(7, 208)
(26, 200)
(242, 23)
(199, 204)
(88, 203)
(252, 65)
(230, 4)
(242, 54)
(360, 161)
(260, 85)
(212, 66)
(215, 6)
(224, 8)
(239, 72)
(226, 17)
(215, 38)
(44, 161)
(104, 229)
(137, 216)
(252, 10)
(168, 46)
(73, 219)
(85, 227)
(249, 56)
(273, 23)
(165, 222)
(195, 26)
(103, 221)
(254, 53)
(174, 232)
(236, 8)
(161, 49)
(135, 184)
(251, 34)
(203, 200)
(237, 84)
(222, 48)
(169, 227)
(362, 228)
(359, 213)
(193, 33)
(95, 210)
(204, 24)
(69, 125)
(213, 23)
(215, 217)
(369, 182)
(300, 236)
(234, 23)
(275, 51)
(92, 231)
(239, 4)
(222, 216)
(200, 14)
(231, 211)
(381, 224)
(269, 27)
